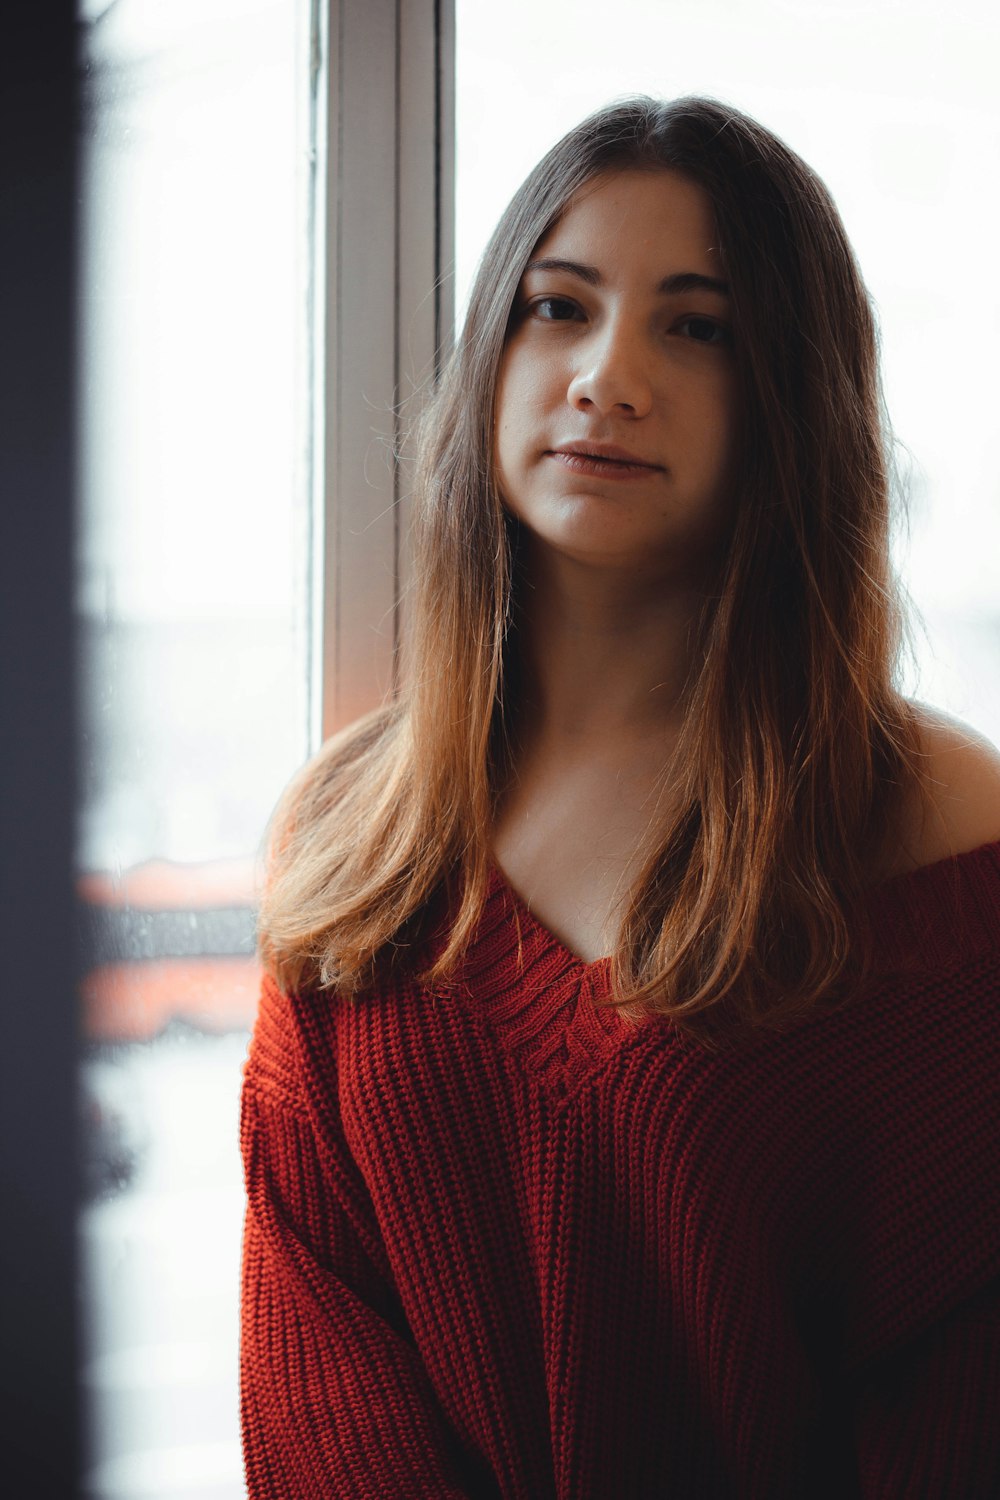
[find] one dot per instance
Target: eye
(554, 309)
(703, 330)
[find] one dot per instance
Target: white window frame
(382, 319)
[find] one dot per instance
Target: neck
(602, 655)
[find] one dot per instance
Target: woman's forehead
(639, 211)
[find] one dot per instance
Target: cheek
(512, 417)
(525, 389)
(506, 428)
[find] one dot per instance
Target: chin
(585, 549)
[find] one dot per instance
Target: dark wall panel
(38, 1413)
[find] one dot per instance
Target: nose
(612, 374)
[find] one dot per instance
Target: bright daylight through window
(191, 622)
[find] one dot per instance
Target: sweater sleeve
(927, 1423)
(334, 1397)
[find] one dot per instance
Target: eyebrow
(680, 282)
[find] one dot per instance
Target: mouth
(604, 459)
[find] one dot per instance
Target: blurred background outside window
(192, 625)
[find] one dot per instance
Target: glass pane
(192, 616)
(899, 113)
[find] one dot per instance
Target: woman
(618, 1118)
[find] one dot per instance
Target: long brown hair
(797, 743)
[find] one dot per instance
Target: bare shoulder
(963, 781)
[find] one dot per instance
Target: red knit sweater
(499, 1244)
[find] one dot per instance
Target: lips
(602, 461)
(608, 453)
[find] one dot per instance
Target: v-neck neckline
(542, 1002)
(597, 967)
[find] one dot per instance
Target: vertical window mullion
(385, 242)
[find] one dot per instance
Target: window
(192, 619)
(260, 240)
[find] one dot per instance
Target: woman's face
(616, 410)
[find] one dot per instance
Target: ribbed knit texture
(500, 1244)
